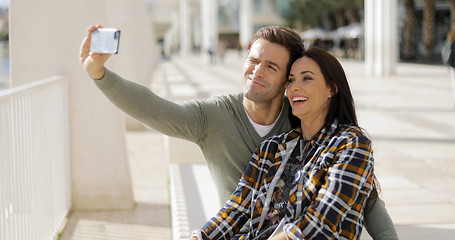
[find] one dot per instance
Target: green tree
(346, 11)
(305, 13)
(326, 13)
(409, 49)
(428, 28)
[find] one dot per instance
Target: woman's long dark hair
(341, 104)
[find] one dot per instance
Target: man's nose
(258, 71)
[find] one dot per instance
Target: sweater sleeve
(183, 120)
(378, 222)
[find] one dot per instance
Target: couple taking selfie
(287, 156)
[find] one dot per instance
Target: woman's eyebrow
(307, 71)
(302, 72)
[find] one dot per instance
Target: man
(227, 128)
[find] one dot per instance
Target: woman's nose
(293, 86)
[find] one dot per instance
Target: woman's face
(308, 91)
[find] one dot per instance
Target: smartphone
(105, 40)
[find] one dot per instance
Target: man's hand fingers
(85, 47)
(93, 63)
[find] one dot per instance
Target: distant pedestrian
(221, 50)
(211, 51)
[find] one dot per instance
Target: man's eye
(273, 68)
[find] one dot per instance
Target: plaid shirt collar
(322, 136)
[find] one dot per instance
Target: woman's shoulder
(351, 129)
(352, 133)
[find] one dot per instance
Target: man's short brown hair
(285, 37)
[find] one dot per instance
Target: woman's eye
(291, 80)
(307, 78)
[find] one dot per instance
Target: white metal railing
(35, 194)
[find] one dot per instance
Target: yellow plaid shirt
(328, 195)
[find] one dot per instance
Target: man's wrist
(98, 75)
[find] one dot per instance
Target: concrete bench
(193, 198)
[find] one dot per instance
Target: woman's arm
(235, 213)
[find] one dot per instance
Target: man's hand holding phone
(93, 61)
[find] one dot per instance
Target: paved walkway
(410, 117)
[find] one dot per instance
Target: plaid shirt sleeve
(231, 218)
(337, 210)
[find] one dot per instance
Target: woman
(311, 182)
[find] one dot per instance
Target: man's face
(265, 71)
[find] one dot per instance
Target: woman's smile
(298, 100)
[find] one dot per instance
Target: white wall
(45, 37)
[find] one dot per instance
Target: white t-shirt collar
(263, 130)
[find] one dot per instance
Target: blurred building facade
(210, 26)
(199, 25)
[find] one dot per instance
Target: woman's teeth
(298, 99)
